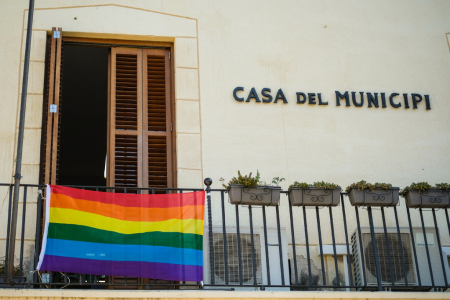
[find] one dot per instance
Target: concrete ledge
(114, 294)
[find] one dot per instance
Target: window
(112, 109)
(114, 103)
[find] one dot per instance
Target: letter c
(239, 88)
(391, 101)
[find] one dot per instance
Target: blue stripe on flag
(114, 252)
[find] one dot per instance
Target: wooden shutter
(140, 119)
(125, 130)
(140, 126)
(125, 119)
(51, 136)
(157, 127)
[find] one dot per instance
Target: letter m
(339, 96)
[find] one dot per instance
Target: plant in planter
(363, 193)
(318, 194)
(16, 269)
(250, 190)
(424, 195)
(276, 180)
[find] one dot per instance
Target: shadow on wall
(316, 276)
(303, 274)
(27, 264)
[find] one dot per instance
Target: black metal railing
(271, 247)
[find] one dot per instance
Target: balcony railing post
(252, 241)
(294, 254)
(238, 235)
(448, 222)
(17, 175)
(400, 243)
(334, 248)
(349, 264)
(37, 239)
(224, 232)
(208, 182)
(280, 246)
(387, 246)
(375, 250)
(8, 232)
(413, 246)
(265, 245)
(440, 247)
(305, 225)
(426, 247)
(358, 225)
(22, 237)
(324, 280)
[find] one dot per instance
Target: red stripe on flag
(133, 200)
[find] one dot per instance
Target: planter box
(433, 198)
(255, 195)
(313, 196)
(379, 197)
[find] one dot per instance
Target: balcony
(271, 248)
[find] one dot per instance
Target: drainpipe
(17, 175)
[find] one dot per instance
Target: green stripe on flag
(156, 238)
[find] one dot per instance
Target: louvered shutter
(52, 117)
(140, 125)
(125, 119)
(140, 119)
(157, 127)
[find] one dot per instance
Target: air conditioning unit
(396, 258)
(246, 257)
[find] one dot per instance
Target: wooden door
(140, 151)
(139, 127)
(157, 129)
(125, 139)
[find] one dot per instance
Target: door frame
(97, 42)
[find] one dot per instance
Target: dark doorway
(83, 130)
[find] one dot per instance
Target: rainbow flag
(148, 236)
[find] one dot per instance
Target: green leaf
(363, 185)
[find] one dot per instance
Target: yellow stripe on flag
(70, 216)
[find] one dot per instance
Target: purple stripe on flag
(122, 268)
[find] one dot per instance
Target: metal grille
(396, 258)
(233, 258)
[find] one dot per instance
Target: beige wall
(299, 46)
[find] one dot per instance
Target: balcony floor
(6, 294)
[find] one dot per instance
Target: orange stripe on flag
(138, 214)
(133, 200)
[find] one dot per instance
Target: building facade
(163, 94)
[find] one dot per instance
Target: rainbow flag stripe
(148, 236)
